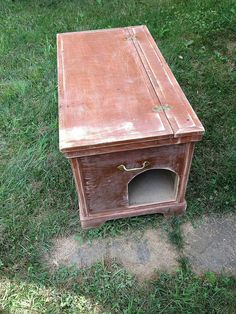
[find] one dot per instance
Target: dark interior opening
(152, 186)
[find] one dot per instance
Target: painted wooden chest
(124, 124)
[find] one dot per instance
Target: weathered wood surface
(119, 104)
(115, 87)
(106, 187)
(103, 188)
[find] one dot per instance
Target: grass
(110, 289)
(38, 195)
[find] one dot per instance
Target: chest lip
(174, 117)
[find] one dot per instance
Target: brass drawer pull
(123, 168)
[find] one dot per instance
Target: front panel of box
(116, 180)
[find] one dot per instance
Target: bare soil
(210, 245)
(141, 253)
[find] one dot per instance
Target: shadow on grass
(107, 288)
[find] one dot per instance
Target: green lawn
(38, 199)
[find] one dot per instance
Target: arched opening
(153, 186)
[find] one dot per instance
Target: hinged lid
(115, 87)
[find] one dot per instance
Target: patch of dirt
(211, 245)
(140, 254)
(231, 46)
(143, 256)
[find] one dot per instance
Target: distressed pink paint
(120, 103)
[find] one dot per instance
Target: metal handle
(123, 168)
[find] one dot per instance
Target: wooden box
(124, 124)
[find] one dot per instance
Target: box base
(169, 209)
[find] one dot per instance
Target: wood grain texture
(131, 146)
(115, 87)
(106, 187)
(120, 104)
(167, 209)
